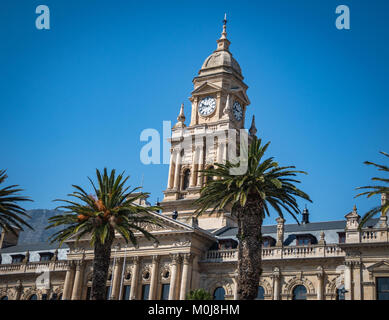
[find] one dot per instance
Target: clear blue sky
(76, 97)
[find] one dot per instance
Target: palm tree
(249, 197)
(11, 214)
(375, 190)
(111, 208)
(199, 294)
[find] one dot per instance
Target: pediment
(243, 96)
(165, 224)
(206, 88)
(379, 266)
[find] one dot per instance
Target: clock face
(237, 111)
(207, 106)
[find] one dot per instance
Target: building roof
(24, 247)
(331, 230)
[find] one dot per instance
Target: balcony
(33, 267)
(368, 236)
(295, 252)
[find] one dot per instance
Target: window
(4, 298)
(44, 296)
(219, 293)
(305, 240)
(300, 293)
(126, 293)
(185, 184)
(340, 293)
(108, 292)
(268, 242)
(261, 293)
(382, 288)
(209, 178)
(17, 258)
(342, 237)
(165, 291)
(45, 256)
(145, 291)
(54, 296)
(33, 297)
(88, 293)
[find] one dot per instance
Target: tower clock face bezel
(207, 106)
(237, 110)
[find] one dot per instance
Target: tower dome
(221, 59)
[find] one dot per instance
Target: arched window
(33, 297)
(185, 184)
(300, 293)
(209, 178)
(261, 293)
(219, 293)
(4, 298)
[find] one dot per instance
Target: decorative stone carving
(180, 243)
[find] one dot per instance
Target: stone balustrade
(375, 236)
(293, 252)
(33, 267)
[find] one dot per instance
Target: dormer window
(45, 256)
(305, 240)
(17, 258)
(268, 242)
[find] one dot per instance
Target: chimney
(305, 219)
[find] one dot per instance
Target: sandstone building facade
(315, 261)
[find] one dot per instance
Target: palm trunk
(101, 261)
(249, 251)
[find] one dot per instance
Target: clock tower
(218, 104)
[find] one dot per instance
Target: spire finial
(355, 208)
(227, 108)
(224, 33)
(180, 118)
(253, 129)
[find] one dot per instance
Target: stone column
(76, 294)
(69, 278)
(173, 277)
(357, 290)
(134, 279)
(193, 176)
(19, 289)
(225, 153)
(186, 275)
(154, 278)
(177, 170)
(320, 280)
(276, 284)
(234, 280)
(171, 170)
(117, 273)
(200, 177)
(348, 281)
